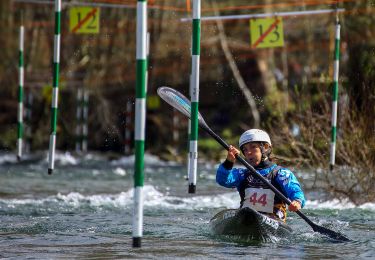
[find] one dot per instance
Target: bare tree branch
(236, 73)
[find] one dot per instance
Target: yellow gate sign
(266, 32)
(84, 19)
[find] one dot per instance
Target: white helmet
(254, 135)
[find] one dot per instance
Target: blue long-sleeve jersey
(232, 178)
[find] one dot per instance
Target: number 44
(261, 200)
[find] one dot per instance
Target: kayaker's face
(252, 153)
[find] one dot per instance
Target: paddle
(182, 104)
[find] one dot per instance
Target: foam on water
(119, 171)
(337, 204)
(154, 198)
(149, 160)
(8, 158)
(61, 158)
(65, 159)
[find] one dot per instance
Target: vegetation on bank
(291, 86)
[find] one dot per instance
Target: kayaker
(255, 144)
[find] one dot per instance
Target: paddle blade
(179, 102)
(330, 233)
(322, 230)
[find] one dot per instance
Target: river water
(84, 211)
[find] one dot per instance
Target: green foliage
(212, 150)
(209, 144)
(277, 103)
(209, 148)
(9, 138)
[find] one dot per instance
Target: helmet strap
(264, 155)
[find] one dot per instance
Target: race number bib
(259, 199)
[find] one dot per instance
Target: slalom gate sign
(84, 19)
(266, 32)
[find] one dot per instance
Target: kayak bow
(247, 222)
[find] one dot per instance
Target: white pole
(75, 3)
(250, 16)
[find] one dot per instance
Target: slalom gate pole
(335, 94)
(189, 137)
(194, 95)
(20, 93)
(55, 87)
(140, 120)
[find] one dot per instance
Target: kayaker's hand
(295, 205)
(232, 153)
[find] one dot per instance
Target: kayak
(247, 222)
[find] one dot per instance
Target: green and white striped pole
(55, 87)
(20, 94)
(189, 132)
(194, 96)
(140, 120)
(335, 94)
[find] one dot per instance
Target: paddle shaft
(314, 226)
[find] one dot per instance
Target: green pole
(140, 120)
(194, 95)
(55, 87)
(335, 94)
(20, 94)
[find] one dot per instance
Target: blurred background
(284, 89)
